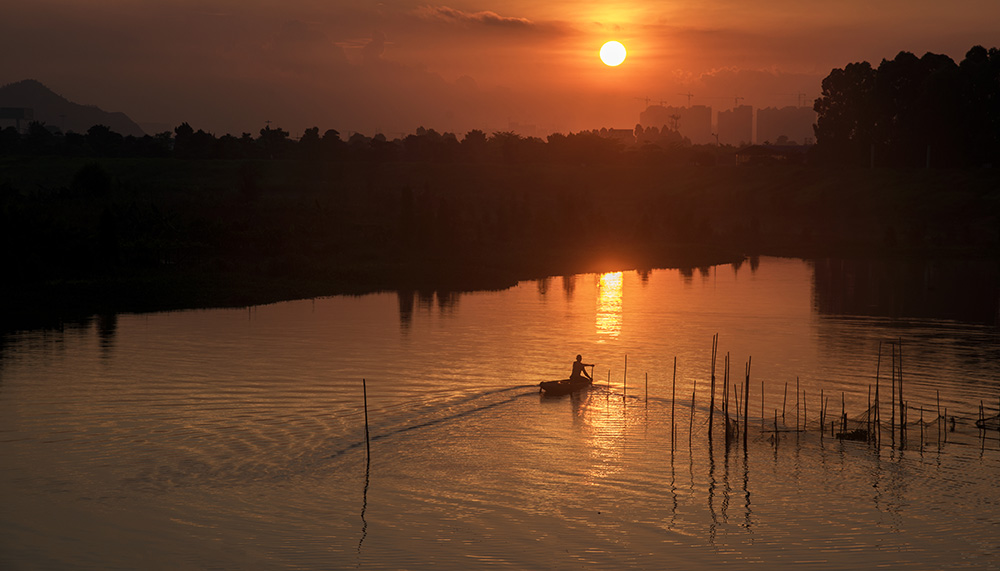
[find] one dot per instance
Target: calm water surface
(236, 438)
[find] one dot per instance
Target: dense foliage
(649, 144)
(913, 112)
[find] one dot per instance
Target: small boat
(564, 386)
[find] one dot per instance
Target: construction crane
(736, 100)
(645, 99)
(689, 95)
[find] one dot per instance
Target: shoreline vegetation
(90, 236)
(103, 223)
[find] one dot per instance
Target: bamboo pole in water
(826, 407)
(364, 389)
(822, 430)
(725, 390)
(902, 406)
(711, 398)
(822, 413)
(625, 379)
(939, 419)
(868, 414)
(737, 400)
(946, 422)
(878, 417)
(843, 413)
(746, 405)
(805, 414)
(796, 403)
(694, 392)
(892, 400)
(775, 427)
(784, 399)
(647, 390)
(673, 401)
(921, 427)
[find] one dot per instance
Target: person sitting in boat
(580, 369)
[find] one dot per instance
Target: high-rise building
(736, 126)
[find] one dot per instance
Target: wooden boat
(564, 386)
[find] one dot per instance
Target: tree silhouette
(104, 141)
(846, 113)
(274, 142)
(310, 145)
(912, 112)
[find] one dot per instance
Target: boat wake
(439, 412)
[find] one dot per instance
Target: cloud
(373, 50)
(486, 18)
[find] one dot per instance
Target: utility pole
(644, 99)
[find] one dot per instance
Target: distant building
(795, 124)
(16, 115)
(693, 122)
(736, 126)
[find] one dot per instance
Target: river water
(236, 438)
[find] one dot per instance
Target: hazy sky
(391, 66)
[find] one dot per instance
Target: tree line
(912, 112)
(425, 145)
(907, 112)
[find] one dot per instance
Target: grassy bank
(137, 235)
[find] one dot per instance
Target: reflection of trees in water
(425, 298)
(406, 304)
(446, 302)
(962, 290)
(107, 328)
(569, 286)
(543, 286)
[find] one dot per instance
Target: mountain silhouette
(56, 111)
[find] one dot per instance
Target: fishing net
(989, 423)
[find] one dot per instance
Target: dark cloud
(451, 15)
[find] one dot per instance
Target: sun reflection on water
(605, 421)
(609, 304)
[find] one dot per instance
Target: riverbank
(129, 235)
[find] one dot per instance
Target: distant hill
(57, 111)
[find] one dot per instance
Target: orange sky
(391, 66)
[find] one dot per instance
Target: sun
(613, 53)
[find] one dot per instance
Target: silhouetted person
(580, 369)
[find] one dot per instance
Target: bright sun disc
(613, 53)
